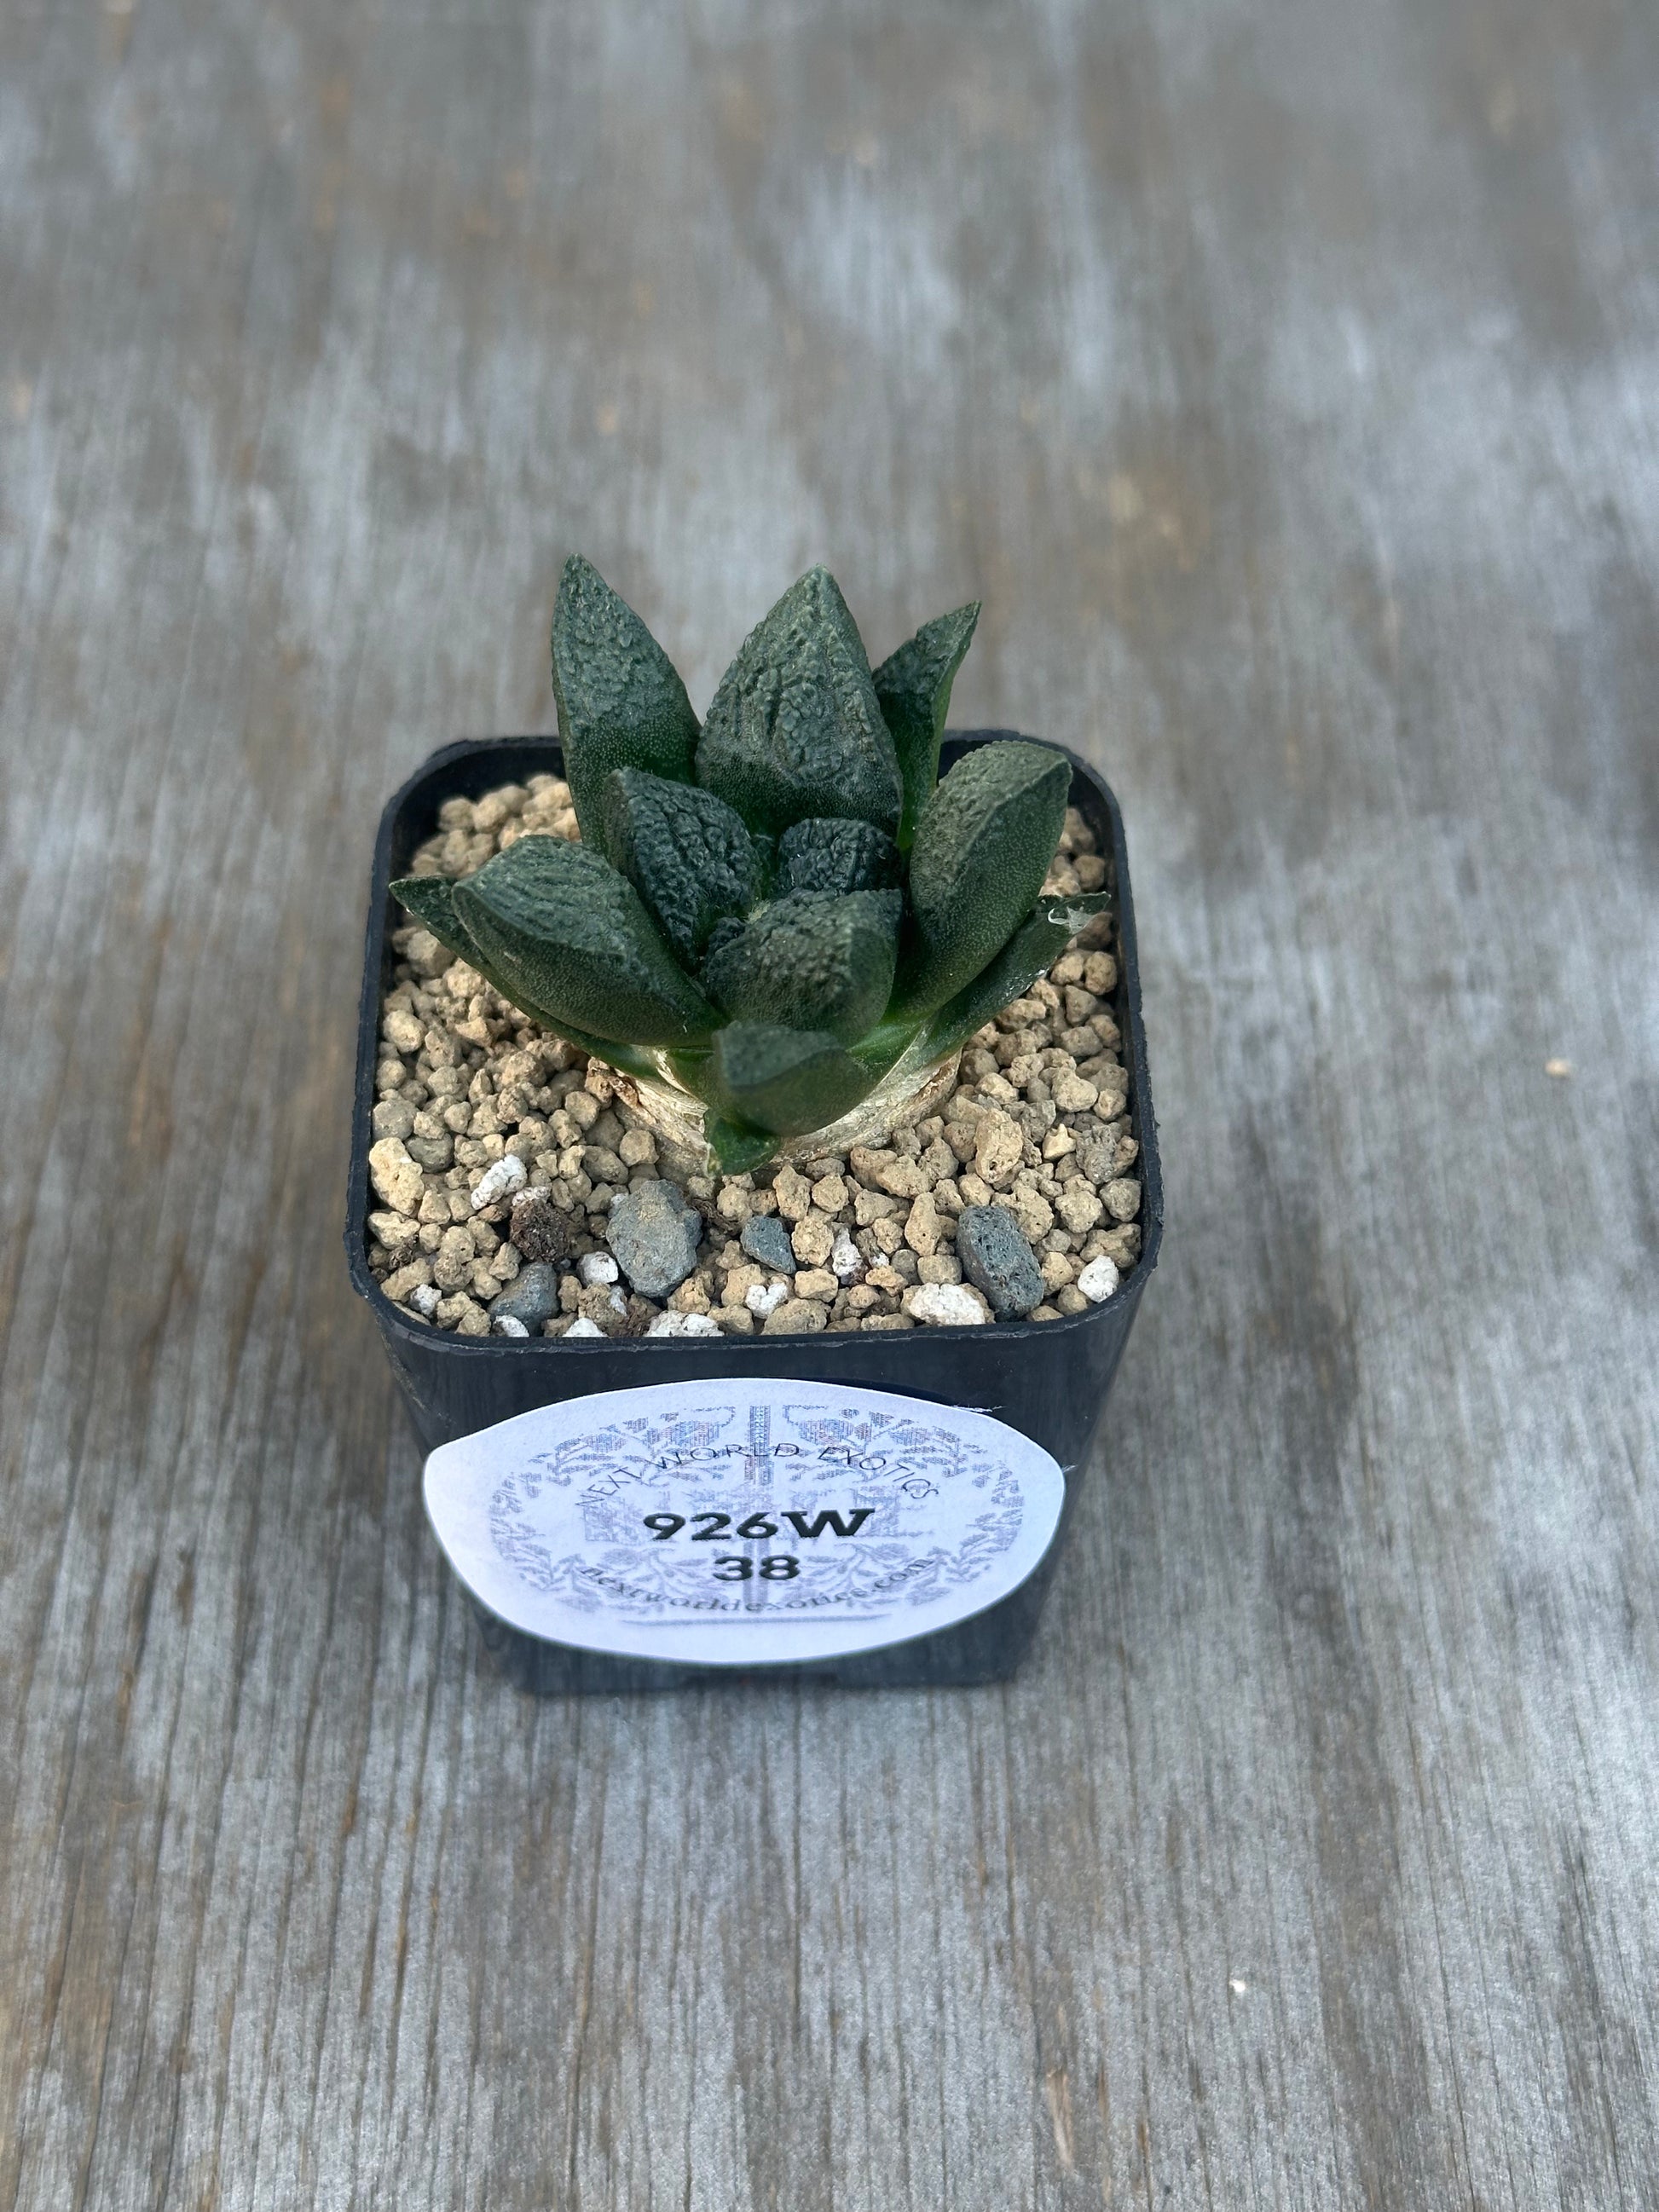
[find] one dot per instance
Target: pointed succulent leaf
(795, 728)
(783, 1079)
(914, 688)
(983, 848)
(431, 900)
(812, 960)
(882, 1048)
(837, 855)
(736, 1146)
(686, 851)
(570, 938)
(620, 702)
(1029, 952)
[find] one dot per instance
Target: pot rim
(389, 1314)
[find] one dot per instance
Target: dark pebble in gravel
(533, 1296)
(997, 1260)
(655, 1234)
(765, 1240)
(539, 1228)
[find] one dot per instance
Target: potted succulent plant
(661, 1074)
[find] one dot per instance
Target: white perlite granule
(476, 1105)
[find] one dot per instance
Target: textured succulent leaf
(684, 851)
(431, 900)
(882, 1048)
(570, 938)
(620, 702)
(983, 848)
(784, 1080)
(913, 687)
(726, 931)
(736, 1147)
(1029, 952)
(744, 902)
(795, 728)
(812, 961)
(834, 855)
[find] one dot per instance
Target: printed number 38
(733, 1567)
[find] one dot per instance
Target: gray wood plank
(1282, 380)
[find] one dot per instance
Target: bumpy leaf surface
(726, 931)
(819, 856)
(983, 848)
(570, 937)
(783, 1080)
(686, 851)
(812, 961)
(913, 686)
(621, 703)
(431, 900)
(795, 728)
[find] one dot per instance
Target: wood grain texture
(1283, 378)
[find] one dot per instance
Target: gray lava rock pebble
(531, 1297)
(765, 1240)
(655, 1234)
(997, 1260)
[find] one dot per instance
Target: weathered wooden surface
(1283, 377)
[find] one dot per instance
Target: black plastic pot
(1048, 1379)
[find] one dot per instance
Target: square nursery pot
(1046, 1380)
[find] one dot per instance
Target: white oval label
(739, 1523)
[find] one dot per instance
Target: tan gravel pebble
(394, 1230)
(940, 1268)
(1123, 1247)
(797, 1317)
(1030, 1208)
(1071, 1094)
(793, 1194)
(1079, 1206)
(396, 1177)
(476, 1109)
(813, 1239)
(923, 1229)
(1123, 1198)
(416, 1276)
(999, 1148)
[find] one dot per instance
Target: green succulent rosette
(787, 909)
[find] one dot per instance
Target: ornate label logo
(742, 1523)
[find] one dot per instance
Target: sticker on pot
(739, 1523)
